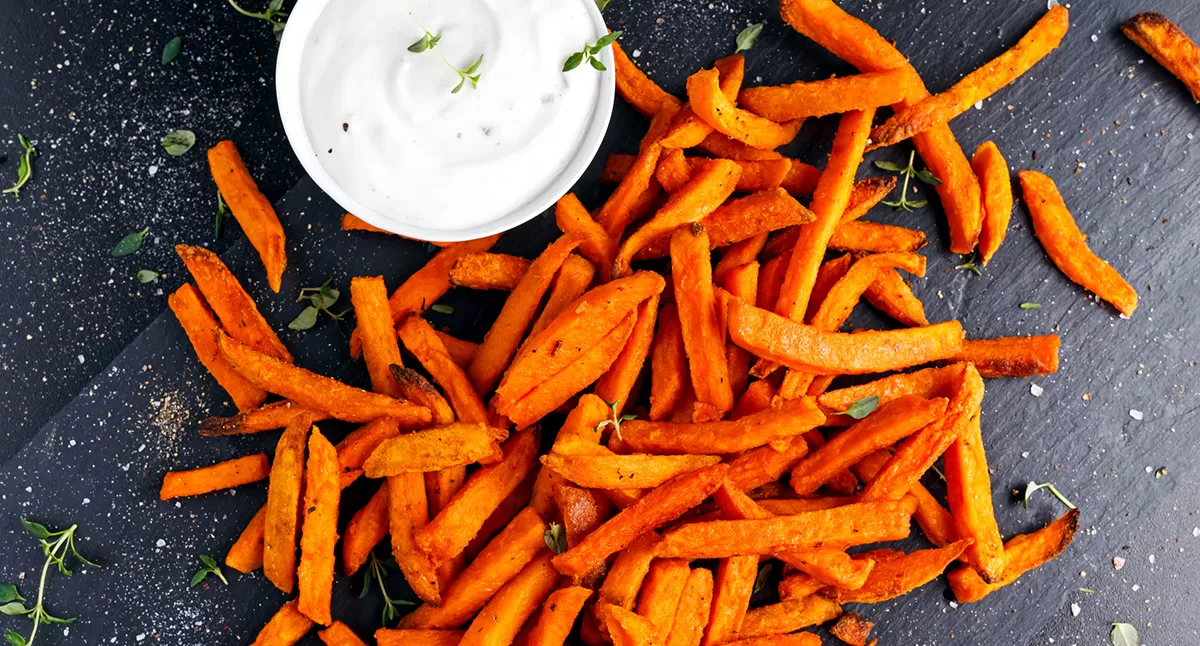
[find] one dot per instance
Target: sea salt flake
(979, 104)
(1196, 532)
(1136, 587)
(1136, 414)
(1075, 610)
(153, 170)
(1095, 38)
(1036, 390)
(1151, 558)
(160, 543)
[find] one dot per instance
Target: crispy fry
(419, 338)
(789, 616)
(742, 283)
(889, 424)
(625, 471)
(339, 634)
(449, 532)
(707, 190)
(462, 352)
(412, 386)
(757, 398)
(502, 339)
(930, 515)
(597, 245)
(380, 350)
(623, 206)
(668, 364)
(790, 639)
(737, 220)
(738, 255)
(230, 302)
(417, 637)
(285, 628)
(617, 384)
(355, 448)
(840, 527)
(801, 179)
(969, 494)
(351, 222)
(318, 538)
(798, 585)
(434, 449)
(781, 422)
(794, 176)
(703, 339)
(831, 96)
(863, 197)
(1021, 554)
(573, 280)
(723, 146)
(803, 347)
(1168, 45)
(732, 588)
(267, 417)
(251, 208)
(504, 614)
(708, 102)
(365, 530)
(629, 629)
(992, 170)
(660, 595)
(311, 390)
(486, 270)
(896, 573)
(764, 464)
(200, 326)
(582, 510)
(222, 475)
(688, 129)
(283, 505)
(873, 237)
(498, 563)
(558, 616)
(927, 383)
(521, 497)
(978, 85)
(686, 627)
(662, 504)
(893, 296)
(246, 555)
(440, 488)
(852, 628)
(578, 435)
(1066, 245)
(1017, 356)
(637, 89)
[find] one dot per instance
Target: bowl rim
(287, 92)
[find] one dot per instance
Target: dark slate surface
(1111, 127)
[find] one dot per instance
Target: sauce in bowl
(387, 128)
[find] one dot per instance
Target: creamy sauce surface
(384, 123)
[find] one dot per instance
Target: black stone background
(87, 440)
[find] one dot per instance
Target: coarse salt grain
(1136, 414)
(1075, 610)
(1036, 390)
(1196, 532)
(160, 543)
(1095, 38)
(1136, 587)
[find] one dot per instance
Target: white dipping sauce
(387, 128)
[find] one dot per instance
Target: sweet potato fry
(1021, 554)
(505, 335)
(318, 537)
(789, 616)
(688, 129)
(794, 176)
(801, 179)
(873, 237)
(380, 350)
(498, 563)
(660, 595)
(711, 105)
(462, 352)
(742, 283)
(831, 96)
(578, 434)
(798, 585)
(582, 510)
(629, 629)
(863, 197)
(802, 347)
(992, 170)
(703, 339)
(339, 634)
(1067, 247)
(357, 446)
(597, 245)
(738, 255)
(625, 471)
(737, 220)
(1017, 356)
(889, 424)
(927, 383)
(246, 555)
(283, 505)
(620, 587)
(764, 464)
(707, 190)
(230, 302)
(1039, 41)
(351, 222)
(661, 505)
(969, 494)
(311, 390)
(668, 364)
(1167, 44)
(504, 614)
(893, 296)
(412, 386)
(573, 280)
(896, 573)
(919, 451)
(781, 422)
(434, 449)
(365, 530)
(723, 146)
(623, 206)
(790, 639)
(440, 488)
(200, 326)
(617, 384)
(222, 475)
(267, 417)
(417, 637)
(558, 616)
(637, 89)
(449, 532)
(931, 516)
(732, 589)
(840, 527)
(485, 270)
(251, 208)
(419, 338)
(686, 627)
(852, 628)
(285, 628)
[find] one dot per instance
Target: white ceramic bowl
(287, 90)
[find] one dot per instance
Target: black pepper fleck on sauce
(345, 127)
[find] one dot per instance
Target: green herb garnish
(909, 173)
(322, 298)
(1087, 590)
(377, 569)
(589, 53)
(222, 213)
(208, 565)
(556, 538)
(746, 37)
(58, 547)
(442, 309)
(862, 407)
(147, 276)
(615, 419)
(178, 142)
(1123, 634)
(171, 49)
(129, 243)
(430, 41)
(971, 266)
(1031, 306)
(1032, 488)
(24, 166)
(602, 5)
(1160, 472)
(275, 15)
(760, 581)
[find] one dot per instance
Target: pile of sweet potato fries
(741, 452)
